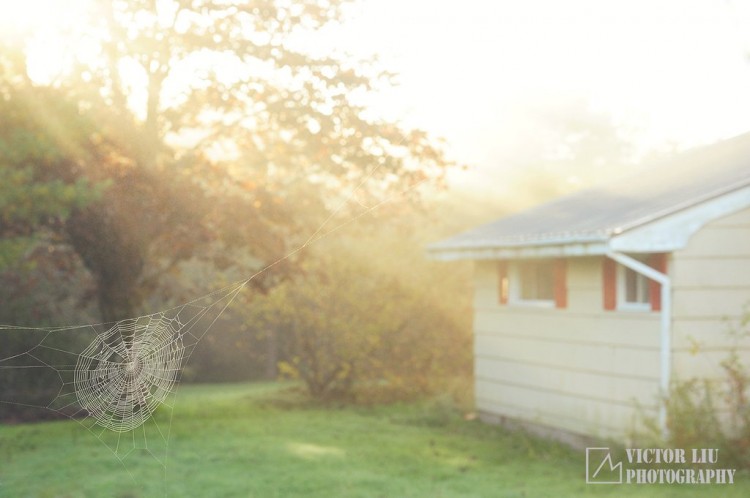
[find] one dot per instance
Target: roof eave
(520, 252)
(666, 234)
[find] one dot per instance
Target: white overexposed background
(480, 72)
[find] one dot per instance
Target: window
(625, 289)
(536, 282)
(634, 291)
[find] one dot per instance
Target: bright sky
(480, 73)
(472, 71)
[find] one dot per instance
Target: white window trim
(622, 304)
(514, 291)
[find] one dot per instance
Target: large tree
(217, 123)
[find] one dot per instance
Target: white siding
(711, 279)
(596, 372)
(581, 369)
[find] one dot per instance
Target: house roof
(589, 221)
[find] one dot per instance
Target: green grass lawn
(262, 440)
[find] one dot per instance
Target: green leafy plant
(372, 325)
(711, 413)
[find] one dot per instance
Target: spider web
(118, 380)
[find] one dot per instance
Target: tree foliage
(184, 134)
(368, 318)
(32, 196)
(212, 121)
(37, 268)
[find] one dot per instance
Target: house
(587, 308)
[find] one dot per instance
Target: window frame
(621, 282)
(515, 291)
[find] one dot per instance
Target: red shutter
(502, 279)
(561, 284)
(657, 261)
(609, 284)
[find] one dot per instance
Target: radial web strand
(117, 380)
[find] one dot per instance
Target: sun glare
(31, 15)
(45, 26)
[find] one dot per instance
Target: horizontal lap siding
(705, 334)
(584, 369)
(567, 380)
(709, 302)
(704, 364)
(579, 369)
(560, 410)
(589, 358)
(711, 286)
(700, 272)
(631, 330)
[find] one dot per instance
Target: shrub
(711, 413)
(364, 323)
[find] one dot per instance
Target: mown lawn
(261, 440)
